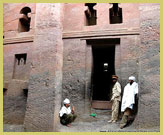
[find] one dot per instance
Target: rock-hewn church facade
(56, 50)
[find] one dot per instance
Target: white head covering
(132, 78)
(66, 101)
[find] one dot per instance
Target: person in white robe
(128, 100)
(67, 114)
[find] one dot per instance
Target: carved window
(91, 15)
(115, 14)
(4, 91)
(24, 20)
(21, 59)
(25, 91)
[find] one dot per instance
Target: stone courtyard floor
(87, 123)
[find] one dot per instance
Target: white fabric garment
(64, 110)
(132, 78)
(66, 101)
(128, 98)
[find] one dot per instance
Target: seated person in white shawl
(128, 100)
(67, 115)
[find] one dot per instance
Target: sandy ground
(87, 123)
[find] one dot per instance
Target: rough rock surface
(149, 66)
(59, 64)
(44, 95)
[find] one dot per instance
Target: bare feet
(110, 121)
(68, 125)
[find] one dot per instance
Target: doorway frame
(89, 63)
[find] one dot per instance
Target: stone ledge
(18, 40)
(98, 33)
(78, 34)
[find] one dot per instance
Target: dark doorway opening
(103, 69)
(4, 91)
(25, 92)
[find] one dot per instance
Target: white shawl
(128, 98)
(64, 110)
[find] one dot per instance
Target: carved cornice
(78, 34)
(99, 33)
(18, 40)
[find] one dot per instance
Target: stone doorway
(103, 67)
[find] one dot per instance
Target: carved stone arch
(24, 20)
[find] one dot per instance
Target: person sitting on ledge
(67, 115)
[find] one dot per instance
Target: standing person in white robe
(128, 100)
(67, 115)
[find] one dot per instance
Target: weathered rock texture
(45, 83)
(16, 76)
(59, 61)
(149, 66)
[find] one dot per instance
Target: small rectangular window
(21, 59)
(115, 14)
(90, 13)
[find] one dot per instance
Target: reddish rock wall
(149, 66)
(11, 21)
(60, 38)
(45, 84)
(15, 80)
(16, 76)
